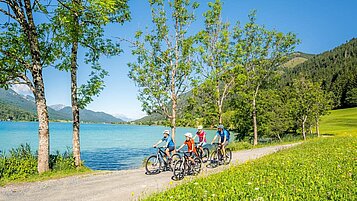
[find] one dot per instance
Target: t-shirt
(201, 136)
(190, 143)
(168, 139)
(222, 134)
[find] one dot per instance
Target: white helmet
(166, 132)
(200, 127)
(188, 135)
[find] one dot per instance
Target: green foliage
(335, 70)
(20, 163)
(81, 24)
(351, 98)
(164, 69)
(321, 169)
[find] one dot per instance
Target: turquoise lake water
(103, 146)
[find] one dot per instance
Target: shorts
(171, 148)
(189, 154)
(226, 143)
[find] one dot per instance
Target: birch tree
(218, 68)
(261, 52)
(25, 49)
(164, 67)
(80, 24)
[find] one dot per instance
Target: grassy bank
(320, 169)
(340, 122)
(20, 165)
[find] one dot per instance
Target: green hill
(340, 122)
(336, 70)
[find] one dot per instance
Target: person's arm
(155, 145)
(214, 139)
(194, 137)
(180, 147)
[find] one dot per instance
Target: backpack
(228, 135)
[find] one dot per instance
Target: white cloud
(21, 89)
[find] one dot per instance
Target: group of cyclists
(222, 135)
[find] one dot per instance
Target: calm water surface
(103, 146)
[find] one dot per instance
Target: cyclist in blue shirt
(170, 145)
(223, 139)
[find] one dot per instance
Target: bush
(21, 163)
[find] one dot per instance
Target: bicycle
(156, 163)
(184, 167)
(204, 155)
(217, 157)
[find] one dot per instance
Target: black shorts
(171, 148)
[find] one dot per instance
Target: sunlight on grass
(340, 122)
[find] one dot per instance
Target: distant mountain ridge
(12, 103)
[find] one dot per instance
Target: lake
(103, 146)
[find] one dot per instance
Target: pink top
(201, 136)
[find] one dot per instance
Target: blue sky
(320, 25)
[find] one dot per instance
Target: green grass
(340, 122)
(320, 169)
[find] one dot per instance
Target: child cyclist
(170, 145)
(201, 134)
(191, 149)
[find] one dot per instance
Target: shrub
(21, 163)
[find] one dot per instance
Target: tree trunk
(303, 128)
(43, 129)
(220, 113)
(173, 121)
(255, 129)
(75, 107)
(317, 127)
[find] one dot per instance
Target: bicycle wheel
(205, 155)
(198, 166)
(228, 157)
(153, 165)
(174, 158)
(178, 170)
(213, 160)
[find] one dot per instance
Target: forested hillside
(335, 70)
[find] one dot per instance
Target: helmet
(200, 127)
(221, 126)
(188, 135)
(166, 132)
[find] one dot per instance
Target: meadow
(319, 169)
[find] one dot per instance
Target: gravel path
(115, 185)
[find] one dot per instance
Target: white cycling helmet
(200, 127)
(188, 135)
(166, 132)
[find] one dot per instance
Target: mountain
(123, 117)
(297, 58)
(90, 116)
(23, 108)
(335, 69)
(57, 107)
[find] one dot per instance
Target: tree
(309, 102)
(323, 103)
(24, 51)
(164, 67)
(262, 53)
(80, 25)
(217, 65)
